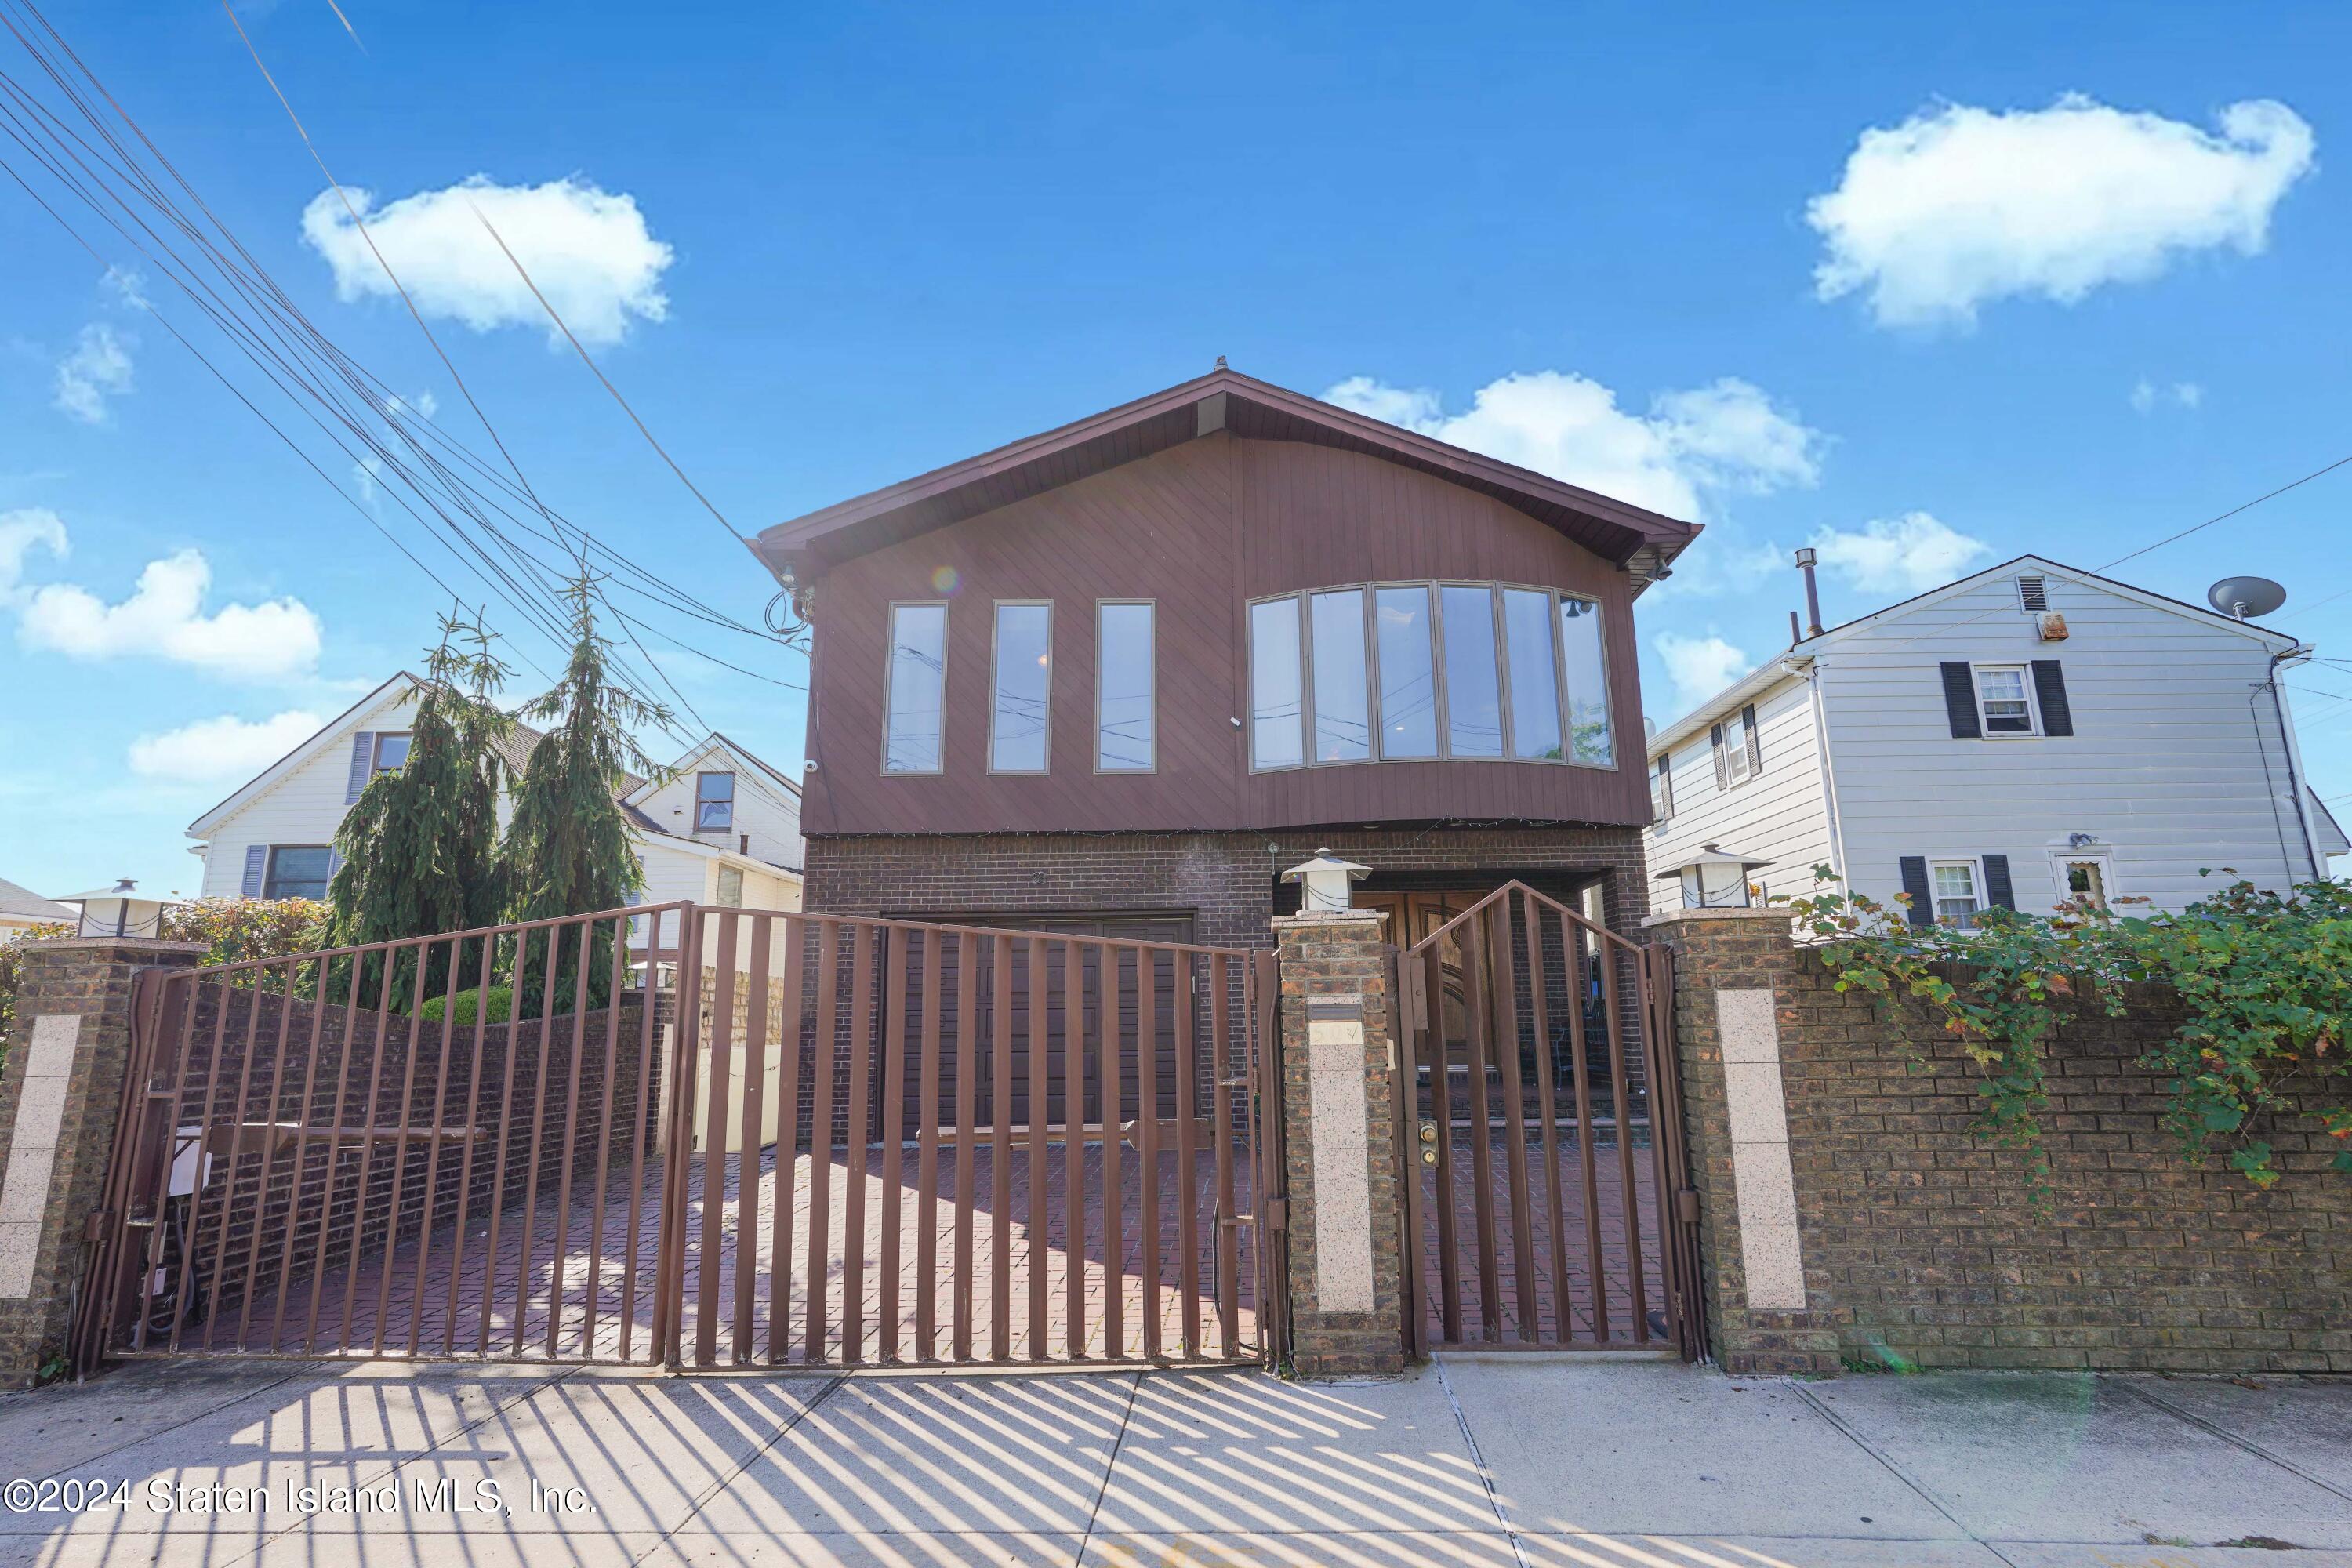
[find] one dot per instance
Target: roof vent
(2032, 593)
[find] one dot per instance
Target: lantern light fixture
(119, 910)
(1714, 879)
(1324, 882)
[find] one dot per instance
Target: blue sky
(822, 249)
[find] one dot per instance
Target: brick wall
(90, 982)
(1920, 1247)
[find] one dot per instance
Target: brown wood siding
(1200, 529)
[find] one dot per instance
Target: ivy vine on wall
(2265, 978)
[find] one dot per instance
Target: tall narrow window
(1408, 677)
(1277, 712)
(1124, 680)
(714, 803)
(916, 706)
(1343, 717)
(1535, 679)
(1587, 683)
(1474, 702)
(1021, 702)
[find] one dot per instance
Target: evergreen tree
(567, 849)
(419, 847)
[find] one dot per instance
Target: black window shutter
(363, 765)
(1961, 699)
(1998, 891)
(1722, 765)
(2050, 691)
(256, 863)
(1915, 882)
(1755, 742)
(1666, 785)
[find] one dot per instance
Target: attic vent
(2032, 593)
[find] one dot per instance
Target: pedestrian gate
(700, 1137)
(1549, 1206)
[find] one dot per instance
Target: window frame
(1306, 710)
(376, 768)
(1974, 864)
(1442, 699)
(719, 886)
(702, 774)
(270, 871)
(890, 681)
(2032, 703)
(1662, 789)
(995, 653)
(1739, 770)
(1152, 663)
(1298, 613)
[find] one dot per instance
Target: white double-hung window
(1957, 899)
(2004, 703)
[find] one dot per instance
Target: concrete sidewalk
(1510, 1463)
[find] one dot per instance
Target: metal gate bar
(1481, 998)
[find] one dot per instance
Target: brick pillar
(1732, 969)
(59, 1099)
(1339, 1067)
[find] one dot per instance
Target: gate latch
(1429, 1143)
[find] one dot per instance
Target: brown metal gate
(696, 1136)
(1552, 1208)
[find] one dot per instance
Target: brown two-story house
(1117, 676)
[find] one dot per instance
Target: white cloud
(223, 748)
(1958, 206)
(588, 250)
(1726, 435)
(1906, 555)
(1699, 666)
(163, 617)
(99, 368)
(2145, 395)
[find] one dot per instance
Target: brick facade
(1227, 882)
(1920, 1247)
(1335, 1020)
(88, 979)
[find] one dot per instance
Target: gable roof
(715, 741)
(22, 903)
(1772, 670)
(2280, 641)
(1223, 400)
(516, 748)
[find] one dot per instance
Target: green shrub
(470, 1005)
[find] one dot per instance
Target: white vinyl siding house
(298, 802)
(1761, 795)
(1990, 740)
(271, 838)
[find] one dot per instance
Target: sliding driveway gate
(703, 1137)
(1551, 1208)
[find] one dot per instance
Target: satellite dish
(2238, 597)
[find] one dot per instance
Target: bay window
(1406, 671)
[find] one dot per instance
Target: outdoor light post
(1714, 879)
(119, 910)
(1324, 882)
